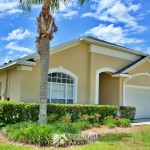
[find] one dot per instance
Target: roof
(60, 47)
(132, 65)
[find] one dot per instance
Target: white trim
(25, 68)
(136, 75)
(121, 75)
(136, 65)
(71, 74)
(111, 45)
(137, 87)
(97, 81)
(113, 53)
(124, 84)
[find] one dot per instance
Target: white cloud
(112, 34)
(148, 50)
(67, 11)
(18, 34)
(13, 46)
(8, 8)
(115, 11)
(70, 14)
(8, 5)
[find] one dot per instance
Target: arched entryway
(106, 87)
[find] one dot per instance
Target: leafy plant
(123, 122)
(66, 118)
(52, 118)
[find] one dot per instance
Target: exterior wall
(140, 81)
(12, 84)
(108, 89)
(3, 84)
(30, 84)
(74, 59)
(145, 67)
(103, 61)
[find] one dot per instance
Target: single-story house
(87, 71)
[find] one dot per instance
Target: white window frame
(69, 73)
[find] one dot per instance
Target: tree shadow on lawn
(114, 137)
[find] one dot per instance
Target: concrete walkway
(139, 122)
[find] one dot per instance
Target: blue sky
(123, 22)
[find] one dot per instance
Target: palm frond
(55, 4)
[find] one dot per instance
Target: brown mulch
(102, 130)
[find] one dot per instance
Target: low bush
(13, 112)
(32, 133)
(112, 122)
(83, 125)
(123, 122)
(127, 112)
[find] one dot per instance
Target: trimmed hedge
(127, 112)
(75, 110)
(13, 112)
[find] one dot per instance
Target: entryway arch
(98, 72)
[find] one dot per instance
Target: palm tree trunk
(44, 65)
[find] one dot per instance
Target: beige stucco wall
(13, 84)
(108, 89)
(142, 80)
(99, 61)
(3, 83)
(144, 67)
(74, 59)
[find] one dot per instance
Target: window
(60, 88)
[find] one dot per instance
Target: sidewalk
(140, 122)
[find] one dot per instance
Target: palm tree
(46, 28)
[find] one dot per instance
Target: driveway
(140, 122)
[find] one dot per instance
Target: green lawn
(119, 141)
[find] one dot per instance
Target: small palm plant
(46, 28)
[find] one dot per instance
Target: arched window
(60, 88)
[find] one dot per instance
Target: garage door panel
(139, 98)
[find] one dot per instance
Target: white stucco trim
(136, 65)
(113, 53)
(125, 85)
(71, 74)
(121, 75)
(137, 87)
(97, 81)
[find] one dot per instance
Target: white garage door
(138, 97)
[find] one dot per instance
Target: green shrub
(97, 125)
(127, 112)
(51, 118)
(123, 122)
(66, 118)
(111, 123)
(77, 110)
(84, 118)
(82, 125)
(32, 133)
(13, 112)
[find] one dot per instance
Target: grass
(139, 140)
(4, 146)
